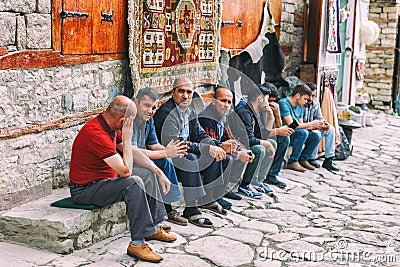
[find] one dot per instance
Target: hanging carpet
(173, 38)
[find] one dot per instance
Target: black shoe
(314, 163)
(232, 195)
(273, 181)
(225, 204)
(329, 165)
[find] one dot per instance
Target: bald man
(177, 120)
(95, 165)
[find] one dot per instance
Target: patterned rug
(173, 38)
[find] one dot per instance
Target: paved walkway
(351, 218)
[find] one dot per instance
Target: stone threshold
(60, 230)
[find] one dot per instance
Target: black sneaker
(274, 181)
(329, 165)
(314, 163)
(232, 195)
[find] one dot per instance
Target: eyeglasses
(225, 101)
(182, 91)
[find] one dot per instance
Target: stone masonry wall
(291, 35)
(25, 24)
(30, 165)
(380, 55)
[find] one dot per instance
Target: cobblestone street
(351, 218)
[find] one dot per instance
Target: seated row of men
(118, 155)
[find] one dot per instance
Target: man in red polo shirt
(95, 165)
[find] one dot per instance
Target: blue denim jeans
(329, 143)
(280, 152)
(300, 137)
(168, 169)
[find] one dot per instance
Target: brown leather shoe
(307, 165)
(295, 166)
(175, 217)
(161, 235)
(143, 252)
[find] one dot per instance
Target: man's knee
(273, 143)
(258, 150)
(314, 135)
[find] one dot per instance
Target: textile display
(173, 38)
(333, 44)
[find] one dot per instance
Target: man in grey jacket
(312, 111)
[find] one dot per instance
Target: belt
(71, 184)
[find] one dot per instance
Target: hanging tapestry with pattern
(172, 38)
(333, 43)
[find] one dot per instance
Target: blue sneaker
(260, 187)
(248, 191)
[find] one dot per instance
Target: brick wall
(291, 38)
(39, 112)
(380, 55)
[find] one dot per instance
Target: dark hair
(274, 91)
(150, 92)
(301, 89)
(312, 86)
(256, 91)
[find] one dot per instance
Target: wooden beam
(49, 58)
(60, 123)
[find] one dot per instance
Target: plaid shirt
(184, 116)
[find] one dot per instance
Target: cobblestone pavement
(351, 218)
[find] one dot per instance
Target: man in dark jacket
(216, 121)
(176, 119)
(263, 149)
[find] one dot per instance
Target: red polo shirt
(94, 142)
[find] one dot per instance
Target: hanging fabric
(333, 43)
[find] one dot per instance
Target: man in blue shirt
(145, 138)
(292, 110)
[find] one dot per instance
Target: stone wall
(291, 36)
(33, 163)
(25, 24)
(380, 55)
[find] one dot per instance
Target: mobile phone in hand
(294, 124)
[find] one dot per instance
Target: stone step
(60, 230)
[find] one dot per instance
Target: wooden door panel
(230, 13)
(103, 39)
(250, 12)
(77, 29)
(121, 28)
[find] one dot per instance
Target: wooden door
(242, 19)
(94, 27)
(109, 26)
(76, 27)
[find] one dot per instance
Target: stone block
(383, 98)
(21, 33)
(375, 10)
(386, 66)
(44, 6)
(392, 15)
(38, 31)
(375, 60)
(389, 31)
(8, 26)
(383, 16)
(390, 9)
(56, 229)
(81, 102)
(289, 8)
(19, 6)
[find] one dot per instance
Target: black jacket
(233, 127)
(252, 124)
(168, 126)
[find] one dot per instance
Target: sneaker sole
(137, 257)
(244, 194)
